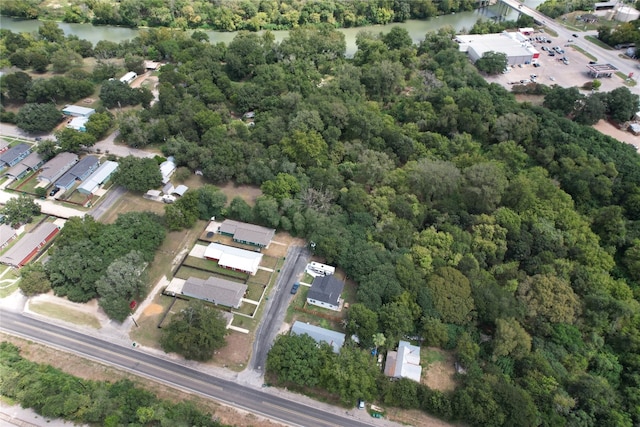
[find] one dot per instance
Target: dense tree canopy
(20, 210)
(138, 174)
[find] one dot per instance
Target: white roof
(129, 76)
(78, 123)
(97, 178)
(408, 361)
(76, 110)
(504, 42)
(230, 257)
(180, 190)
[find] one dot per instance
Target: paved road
(261, 402)
(47, 207)
(276, 309)
(604, 56)
(105, 203)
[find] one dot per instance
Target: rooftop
(326, 289)
(244, 232)
(333, 338)
(219, 291)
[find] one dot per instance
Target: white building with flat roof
(77, 111)
(515, 45)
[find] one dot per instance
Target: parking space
(552, 69)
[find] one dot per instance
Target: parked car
(593, 62)
(575, 35)
(536, 64)
(360, 403)
(295, 287)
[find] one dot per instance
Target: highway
(255, 401)
(604, 56)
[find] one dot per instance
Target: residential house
(325, 292)
(234, 258)
(333, 338)
(97, 179)
(7, 234)
(29, 245)
(30, 163)
(80, 171)
(14, 155)
(247, 234)
(404, 363)
(78, 123)
(167, 168)
(56, 167)
(215, 290)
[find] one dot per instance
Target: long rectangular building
(29, 245)
(98, 178)
(515, 46)
(234, 258)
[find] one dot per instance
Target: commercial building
(515, 46)
(247, 234)
(325, 292)
(56, 167)
(333, 338)
(215, 290)
(77, 111)
(97, 179)
(29, 245)
(404, 363)
(234, 258)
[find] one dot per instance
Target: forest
(502, 231)
(232, 15)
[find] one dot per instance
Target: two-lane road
(253, 400)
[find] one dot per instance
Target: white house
(404, 363)
(128, 78)
(234, 258)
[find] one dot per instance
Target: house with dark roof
(404, 363)
(215, 290)
(31, 163)
(7, 234)
(333, 338)
(325, 292)
(14, 155)
(29, 245)
(56, 167)
(80, 171)
(247, 234)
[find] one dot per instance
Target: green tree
(363, 323)
(492, 62)
(64, 60)
(511, 339)
(74, 141)
(283, 186)
(51, 32)
(15, 86)
(33, 279)
(298, 359)
(622, 104)
(38, 117)
(122, 283)
(548, 298)
(195, 332)
(352, 375)
(451, 293)
(99, 124)
(138, 175)
(20, 210)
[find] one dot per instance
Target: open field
(66, 314)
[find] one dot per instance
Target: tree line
(53, 393)
(251, 15)
(503, 232)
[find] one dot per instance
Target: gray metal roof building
(218, 291)
(57, 166)
(247, 233)
(333, 338)
(7, 234)
(31, 162)
(98, 178)
(29, 244)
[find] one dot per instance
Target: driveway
(48, 207)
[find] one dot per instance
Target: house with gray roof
(31, 163)
(56, 167)
(215, 290)
(7, 234)
(325, 292)
(248, 234)
(29, 245)
(14, 155)
(404, 363)
(80, 171)
(333, 338)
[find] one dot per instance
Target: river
(417, 29)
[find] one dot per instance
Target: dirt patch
(153, 309)
(281, 243)
(235, 354)
(439, 370)
(608, 129)
(415, 418)
(248, 193)
(90, 370)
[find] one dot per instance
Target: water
(417, 29)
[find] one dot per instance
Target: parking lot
(552, 69)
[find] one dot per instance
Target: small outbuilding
(333, 338)
(325, 292)
(78, 123)
(634, 128)
(128, 78)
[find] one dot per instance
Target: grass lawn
(597, 41)
(185, 272)
(269, 262)
(261, 277)
(27, 184)
(254, 291)
(307, 278)
(7, 289)
(627, 81)
(429, 356)
(247, 308)
(213, 267)
(584, 52)
(148, 333)
(65, 313)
